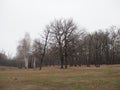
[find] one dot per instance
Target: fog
(20, 16)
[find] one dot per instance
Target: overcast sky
(20, 16)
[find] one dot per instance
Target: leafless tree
(61, 31)
(46, 37)
(23, 48)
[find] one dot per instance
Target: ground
(53, 78)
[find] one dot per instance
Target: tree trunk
(61, 57)
(26, 62)
(34, 62)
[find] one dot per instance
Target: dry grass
(53, 78)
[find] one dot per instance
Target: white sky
(20, 16)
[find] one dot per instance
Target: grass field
(53, 78)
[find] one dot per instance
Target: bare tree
(24, 48)
(112, 37)
(61, 31)
(36, 51)
(46, 36)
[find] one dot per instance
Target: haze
(20, 16)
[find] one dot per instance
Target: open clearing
(53, 78)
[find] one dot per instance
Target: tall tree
(61, 31)
(46, 37)
(23, 48)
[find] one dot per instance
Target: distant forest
(64, 44)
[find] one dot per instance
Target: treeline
(5, 61)
(64, 44)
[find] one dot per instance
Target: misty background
(20, 16)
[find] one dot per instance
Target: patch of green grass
(52, 78)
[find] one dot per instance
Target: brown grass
(53, 78)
